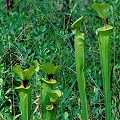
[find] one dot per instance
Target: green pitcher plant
(80, 59)
(104, 35)
(50, 94)
(24, 90)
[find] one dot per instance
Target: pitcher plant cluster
(50, 94)
(104, 34)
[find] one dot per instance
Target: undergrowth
(42, 30)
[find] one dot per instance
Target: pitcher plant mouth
(104, 29)
(22, 87)
(25, 83)
(25, 101)
(78, 23)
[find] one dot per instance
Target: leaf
(102, 9)
(117, 66)
(67, 93)
(3, 104)
(66, 115)
(17, 69)
(24, 74)
(42, 28)
(29, 72)
(54, 95)
(80, 60)
(49, 68)
(46, 87)
(14, 25)
(37, 65)
(8, 91)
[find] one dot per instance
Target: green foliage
(24, 74)
(41, 30)
(50, 95)
(102, 9)
(49, 68)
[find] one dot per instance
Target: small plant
(104, 35)
(24, 91)
(80, 59)
(50, 94)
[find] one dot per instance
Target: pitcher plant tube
(50, 94)
(104, 35)
(80, 59)
(24, 90)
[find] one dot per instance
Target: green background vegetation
(41, 29)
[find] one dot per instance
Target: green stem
(25, 102)
(80, 55)
(80, 59)
(104, 35)
(45, 101)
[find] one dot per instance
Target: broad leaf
(17, 69)
(46, 87)
(24, 74)
(54, 95)
(29, 72)
(49, 68)
(102, 9)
